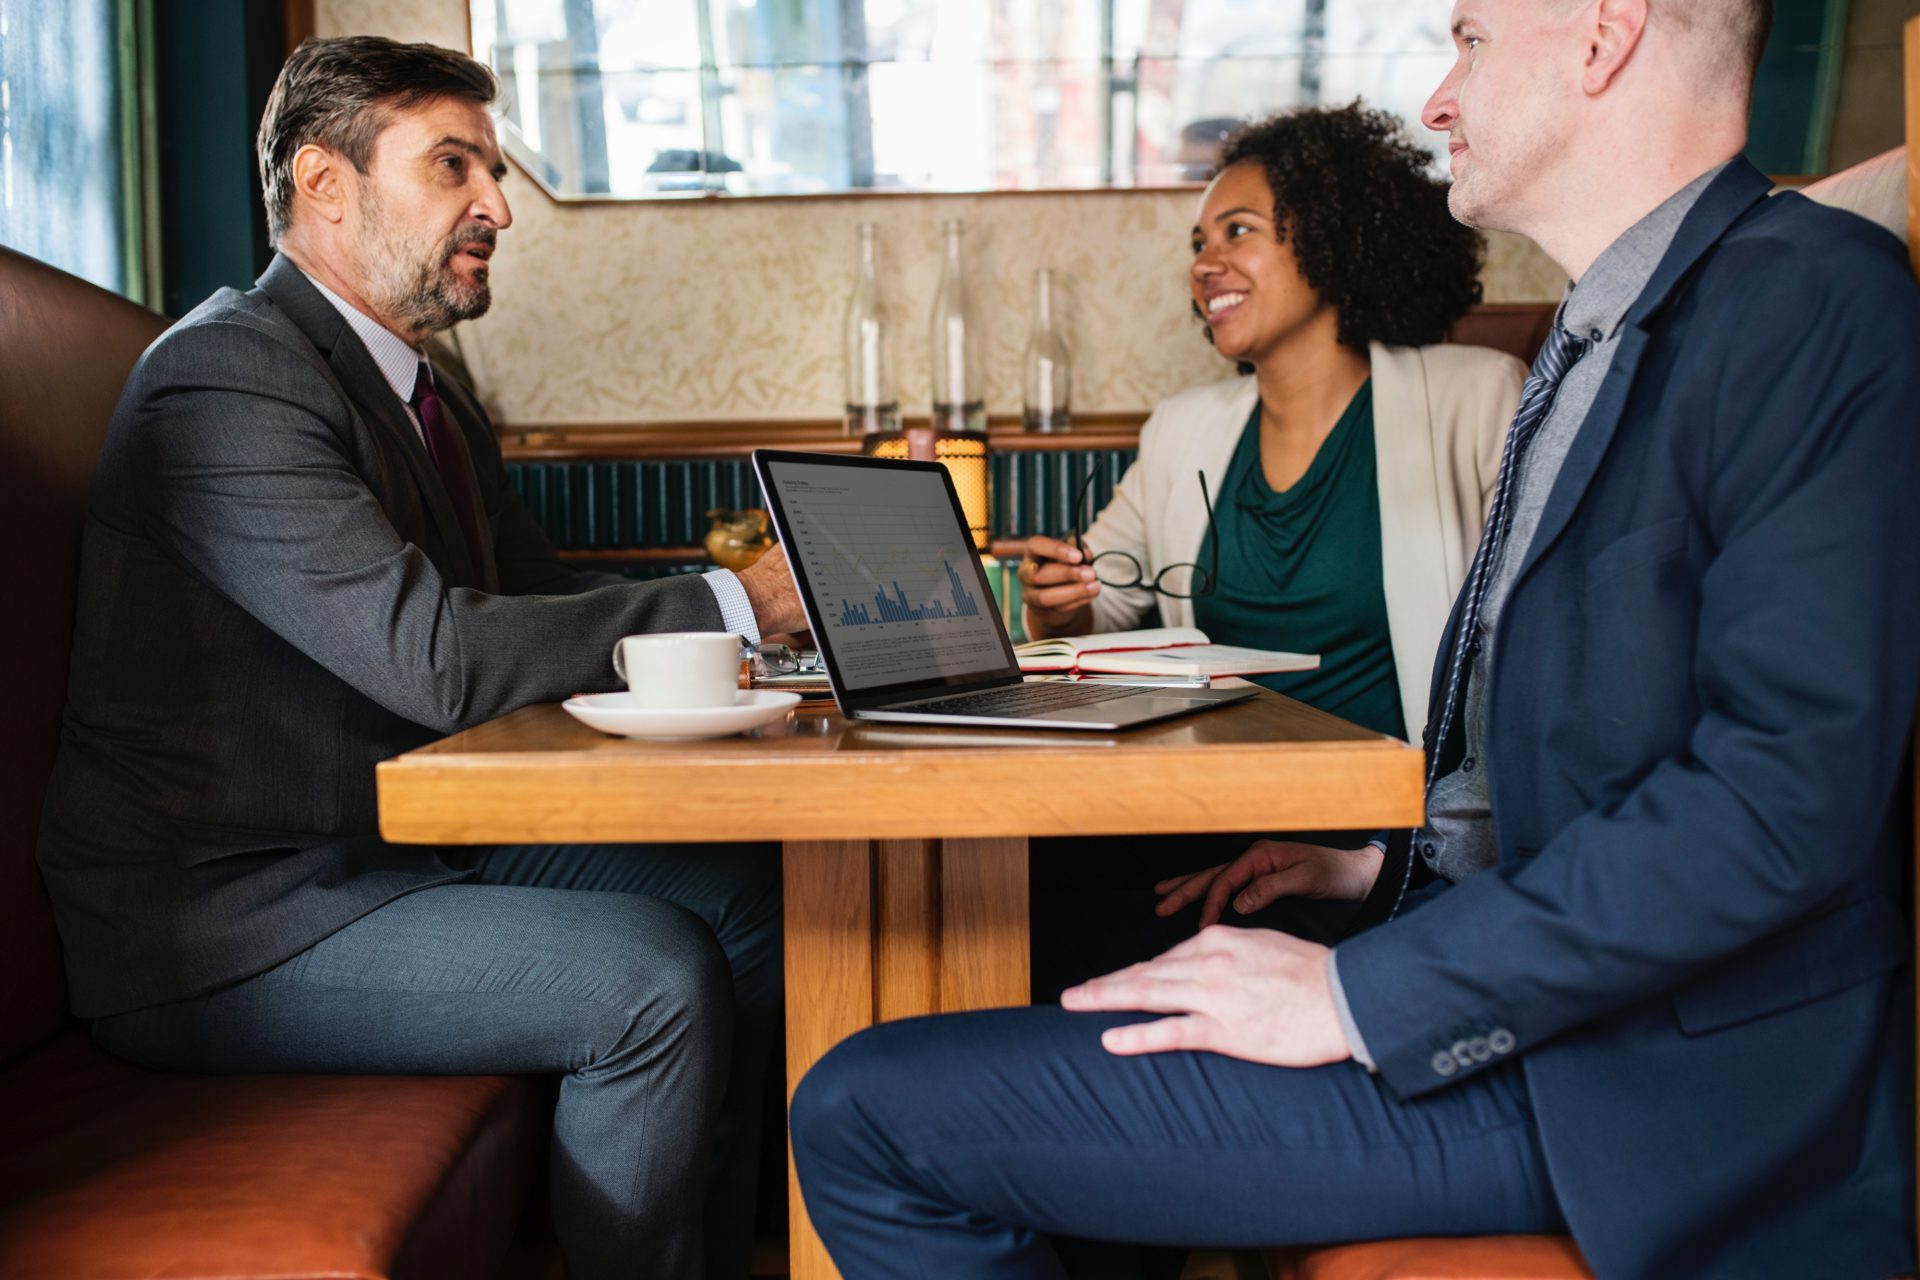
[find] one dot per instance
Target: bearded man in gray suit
(302, 556)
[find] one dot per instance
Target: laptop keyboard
(1022, 699)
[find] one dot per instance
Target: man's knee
(692, 973)
(658, 969)
(841, 1106)
(825, 1107)
(696, 981)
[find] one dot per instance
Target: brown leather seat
(107, 1171)
(1480, 1258)
(110, 1172)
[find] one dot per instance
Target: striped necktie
(448, 460)
(1561, 352)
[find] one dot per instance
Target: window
(762, 97)
(68, 129)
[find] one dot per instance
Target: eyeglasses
(1184, 581)
(784, 660)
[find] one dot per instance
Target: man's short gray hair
(1734, 32)
(340, 92)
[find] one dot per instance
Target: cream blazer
(1440, 416)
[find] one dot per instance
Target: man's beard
(421, 293)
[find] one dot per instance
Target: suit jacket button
(1480, 1047)
(1462, 1053)
(1501, 1040)
(1443, 1064)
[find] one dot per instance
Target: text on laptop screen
(891, 573)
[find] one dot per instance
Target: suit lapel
(364, 384)
(1721, 205)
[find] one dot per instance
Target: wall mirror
(640, 99)
(645, 98)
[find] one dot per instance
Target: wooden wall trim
(544, 443)
(297, 17)
(599, 557)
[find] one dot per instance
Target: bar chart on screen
(891, 572)
(897, 608)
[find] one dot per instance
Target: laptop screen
(888, 573)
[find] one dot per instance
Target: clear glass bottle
(872, 408)
(959, 381)
(1048, 366)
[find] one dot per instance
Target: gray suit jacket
(274, 596)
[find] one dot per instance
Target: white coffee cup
(680, 668)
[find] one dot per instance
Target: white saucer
(617, 713)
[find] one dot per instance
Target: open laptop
(900, 607)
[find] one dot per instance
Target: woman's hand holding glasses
(1058, 586)
(1060, 579)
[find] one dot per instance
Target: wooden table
(905, 846)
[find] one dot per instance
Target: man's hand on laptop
(768, 583)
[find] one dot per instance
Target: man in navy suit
(1642, 974)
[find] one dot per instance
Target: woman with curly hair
(1348, 470)
(1351, 464)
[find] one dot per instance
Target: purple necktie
(448, 460)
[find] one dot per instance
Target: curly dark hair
(1368, 222)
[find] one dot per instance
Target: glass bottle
(959, 400)
(1048, 366)
(871, 406)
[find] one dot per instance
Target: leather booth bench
(108, 1172)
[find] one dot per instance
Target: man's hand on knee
(1253, 994)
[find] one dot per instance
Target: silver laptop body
(900, 607)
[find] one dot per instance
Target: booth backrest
(1517, 328)
(65, 350)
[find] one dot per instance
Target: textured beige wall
(669, 311)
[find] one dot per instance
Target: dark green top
(1300, 570)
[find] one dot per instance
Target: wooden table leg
(828, 891)
(985, 956)
(889, 930)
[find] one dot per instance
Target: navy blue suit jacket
(1702, 686)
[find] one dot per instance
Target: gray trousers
(648, 976)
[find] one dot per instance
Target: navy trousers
(970, 1144)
